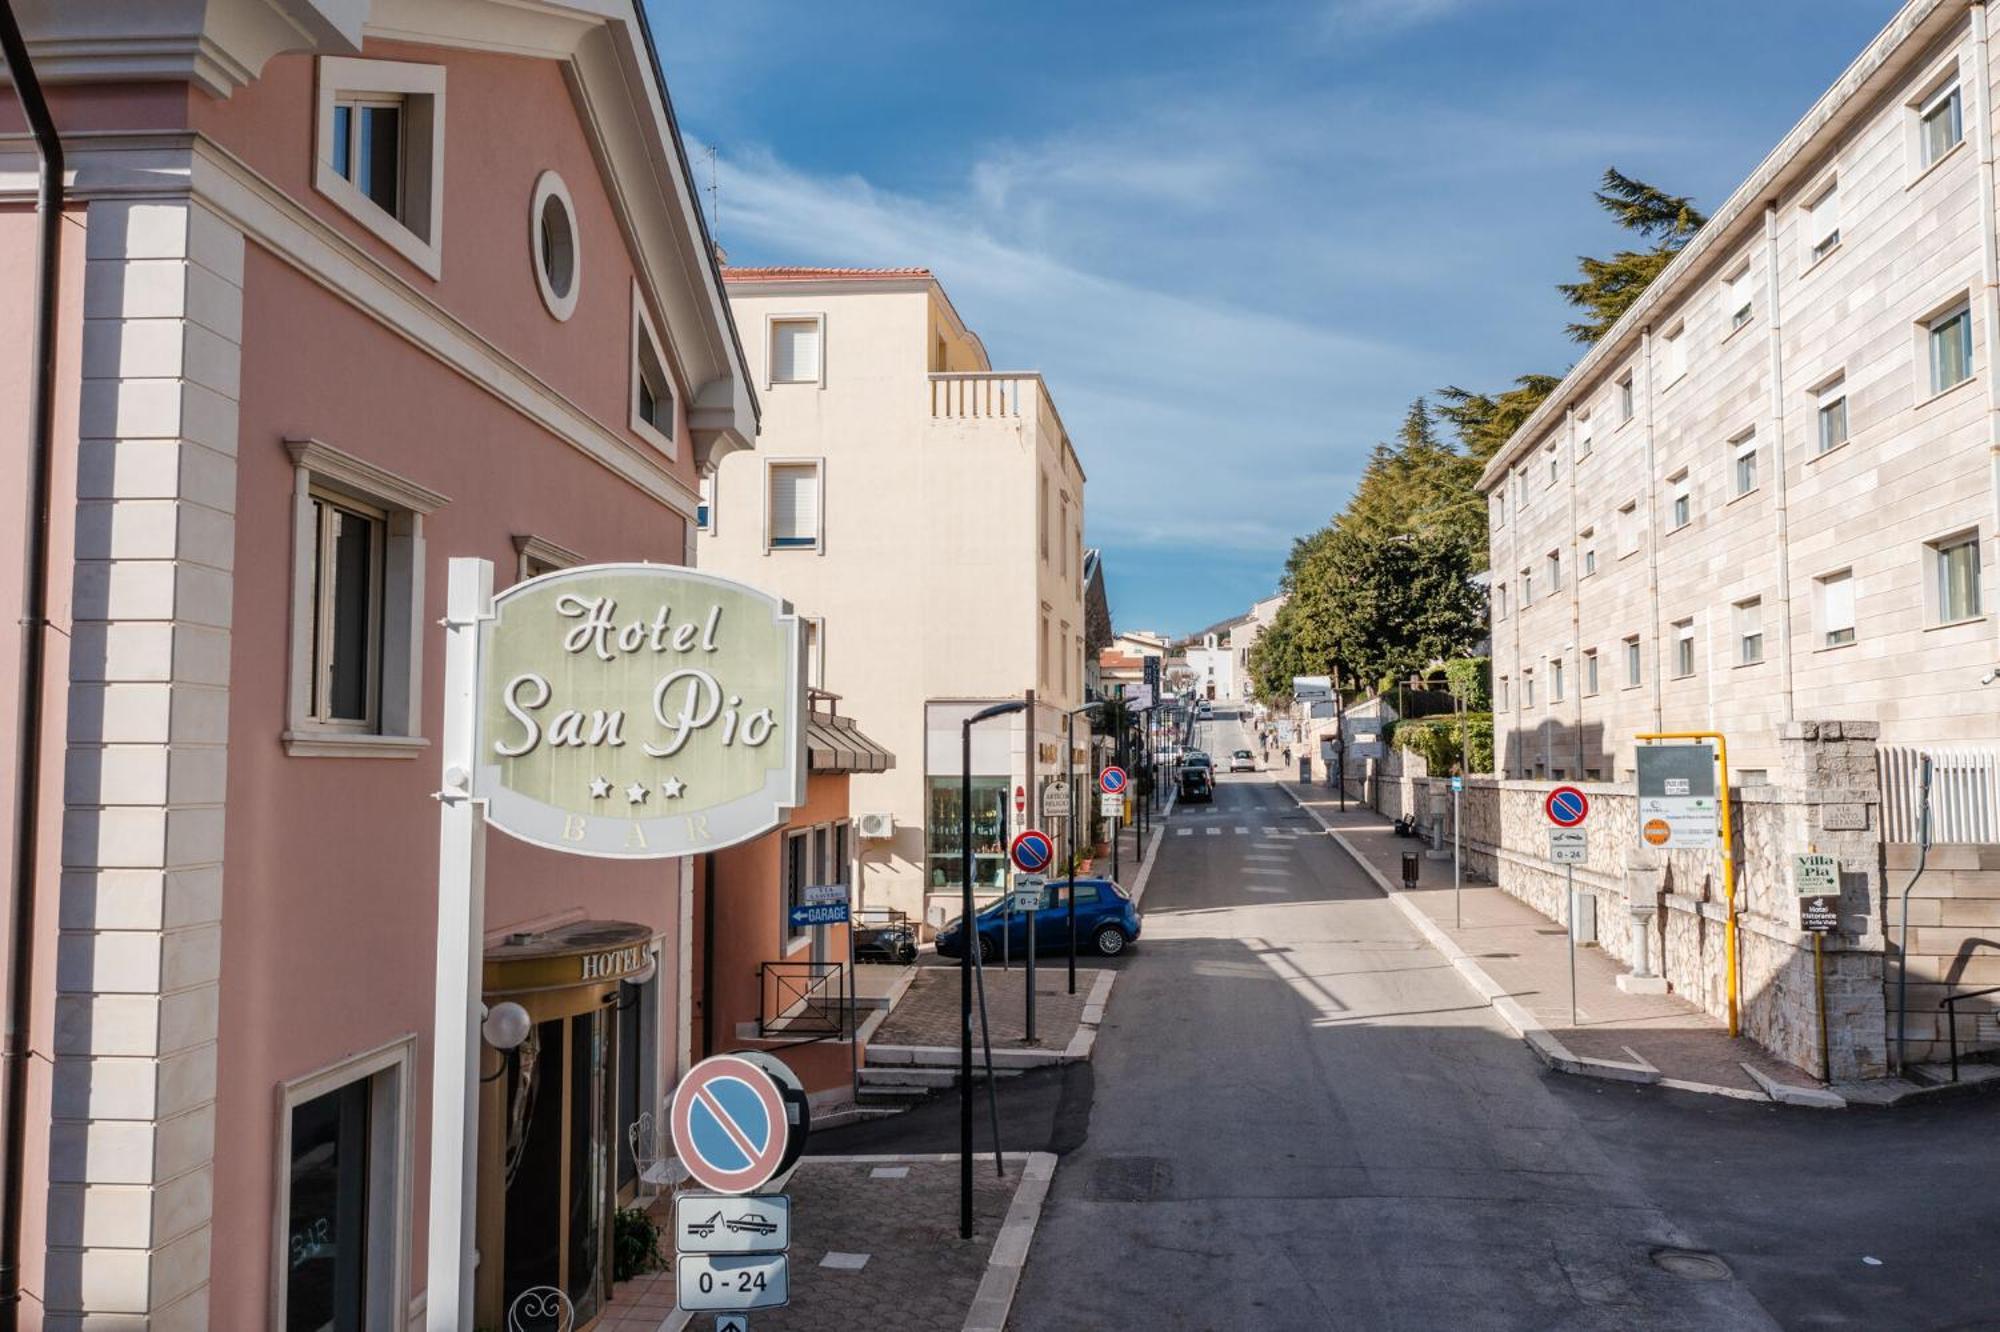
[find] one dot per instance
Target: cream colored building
(1769, 492)
(926, 513)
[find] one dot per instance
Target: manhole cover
(1692, 1264)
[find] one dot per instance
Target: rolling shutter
(794, 505)
(795, 351)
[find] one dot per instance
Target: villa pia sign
(639, 711)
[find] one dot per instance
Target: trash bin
(1409, 869)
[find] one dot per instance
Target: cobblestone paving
(928, 1014)
(919, 1277)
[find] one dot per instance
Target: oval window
(552, 239)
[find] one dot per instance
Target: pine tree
(1609, 286)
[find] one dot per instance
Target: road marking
(1213, 832)
(1183, 832)
(1240, 830)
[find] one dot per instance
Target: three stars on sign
(637, 792)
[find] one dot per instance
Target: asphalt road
(1299, 1117)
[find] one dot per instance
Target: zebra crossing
(1275, 830)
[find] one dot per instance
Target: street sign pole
(1031, 975)
(1069, 870)
(1569, 882)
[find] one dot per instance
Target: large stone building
(1768, 493)
(926, 512)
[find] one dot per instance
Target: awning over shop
(835, 744)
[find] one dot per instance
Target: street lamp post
(968, 930)
(1069, 785)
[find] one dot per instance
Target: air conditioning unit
(875, 827)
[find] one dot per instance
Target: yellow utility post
(1728, 856)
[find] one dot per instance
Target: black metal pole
(968, 931)
(34, 636)
(1069, 873)
(1117, 824)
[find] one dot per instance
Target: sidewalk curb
(1137, 891)
(1785, 1093)
(947, 1056)
(995, 1297)
(1538, 1038)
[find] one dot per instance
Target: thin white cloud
(1375, 18)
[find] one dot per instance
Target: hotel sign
(639, 711)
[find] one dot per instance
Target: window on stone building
(1633, 669)
(797, 350)
(1737, 291)
(1527, 689)
(1822, 219)
(1749, 617)
(1743, 468)
(1555, 679)
(1950, 338)
(1683, 649)
(380, 155)
(1589, 672)
(1588, 539)
(1555, 566)
(1627, 404)
(1682, 505)
(1628, 529)
(1673, 355)
(792, 511)
(1940, 123)
(1954, 568)
(1584, 441)
(1831, 414)
(1836, 608)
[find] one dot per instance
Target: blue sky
(1238, 238)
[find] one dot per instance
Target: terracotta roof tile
(797, 273)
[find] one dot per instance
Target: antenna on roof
(714, 201)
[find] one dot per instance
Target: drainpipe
(1780, 483)
(1903, 919)
(34, 637)
(1989, 249)
(1575, 594)
(1652, 524)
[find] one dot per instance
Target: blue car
(1106, 921)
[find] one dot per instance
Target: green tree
(1485, 422)
(1609, 286)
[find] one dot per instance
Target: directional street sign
(729, 1128)
(1112, 781)
(1027, 894)
(1568, 846)
(1032, 851)
(1457, 784)
(718, 1223)
(706, 1282)
(805, 917)
(730, 1322)
(1817, 879)
(823, 894)
(1566, 807)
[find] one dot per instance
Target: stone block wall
(1954, 942)
(1822, 797)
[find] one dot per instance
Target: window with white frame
(793, 520)
(1683, 649)
(704, 511)
(1527, 689)
(1627, 398)
(380, 151)
(1502, 693)
(1527, 588)
(552, 236)
(1834, 598)
(796, 875)
(1634, 672)
(1555, 680)
(1954, 577)
(357, 605)
(1629, 529)
(1737, 290)
(1743, 464)
(1830, 414)
(1583, 435)
(797, 350)
(1554, 460)
(1500, 506)
(1587, 538)
(343, 1179)
(1749, 623)
(1673, 354)
(1589, 672)
(1822, 224)
(1940, 122)
(1681, 508)
(1554, 562)
(652, 391)
(1949, 336)
(1520, 492)
(1499, 601)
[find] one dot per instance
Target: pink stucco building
(347, 288)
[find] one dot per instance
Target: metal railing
(1950, 1007)
(804, 1000)
(1965, 793)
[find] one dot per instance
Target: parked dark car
(1198, 784)
(1106, 921)
(893, 942)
